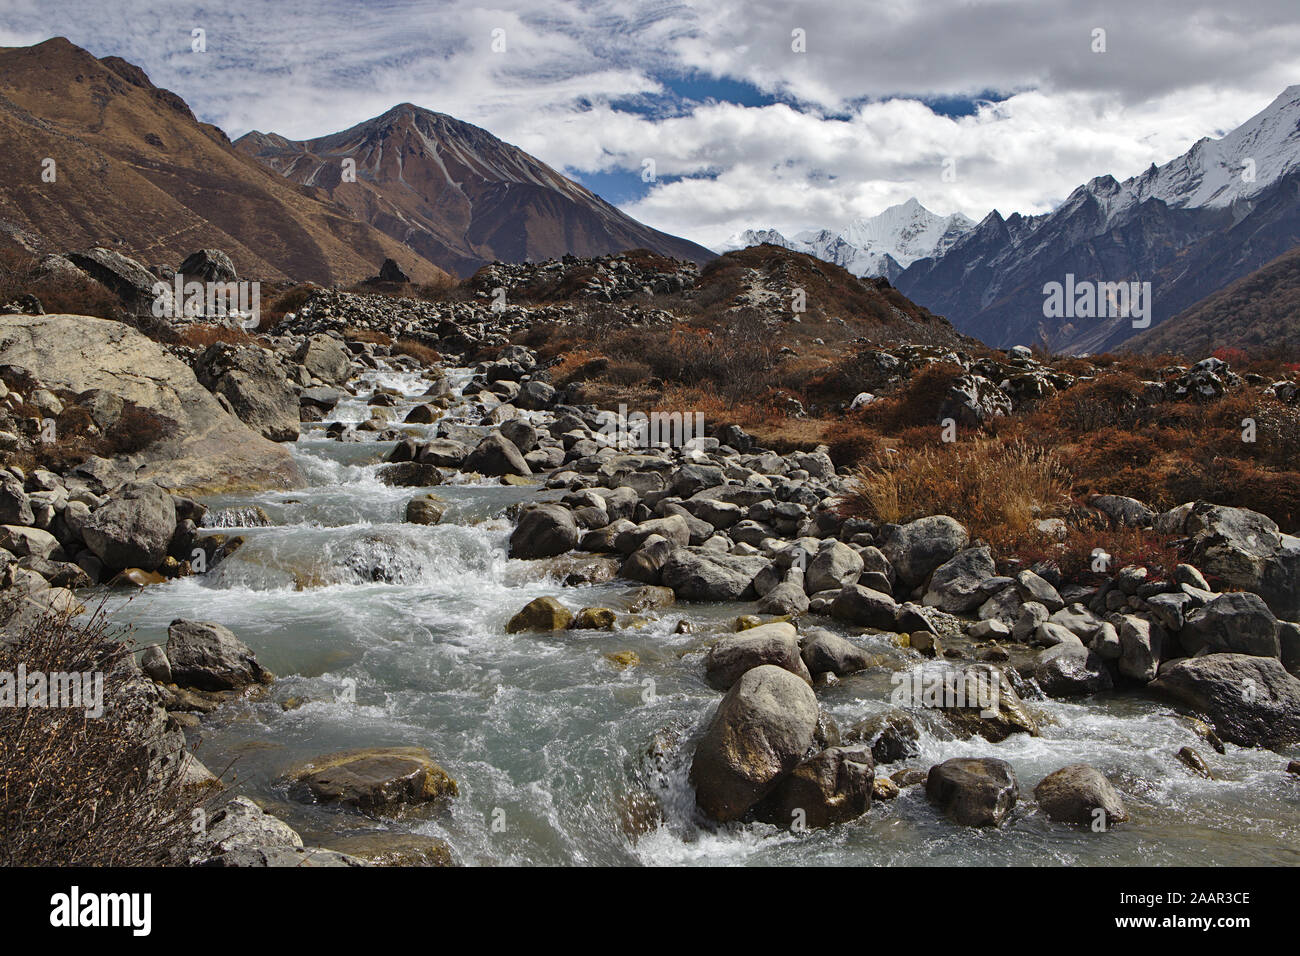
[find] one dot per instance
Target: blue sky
(743, 129)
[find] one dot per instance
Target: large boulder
(1251, 701)
(1069, 669)
(209, 656)
(207, 265)
(1081, 795)
(824, 652)
(326, 358)
(957, 585)
(696, 575)
(496, 456)
(917, 548)
(544, 531)
(123, 276)
(377, 780)
(251, 380)
(865, 607)
(1246, 550)
(133, 528)
(974, 791)
(733, 655)
(833, 567)
(832, 787)
(205, 450)
(15, 506)
(1235, 623)
(761, 731)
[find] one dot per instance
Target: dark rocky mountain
(1190, 227)
(458, 195)
(1258, 313)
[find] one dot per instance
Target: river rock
(733, 655)
(974, 791)
(541, 614)
(134, 528)
(1031, 587)
(209, 656)
(326, 358)
(834, 786)
(1246, 550)
(865, 607)
(1140, 648)
(760, 732)
(544, 531)
(496, 456)
(15, 506)
(1081, 795)
(698, 575)
(957, 585)
(832, 567)
(1251, 701)
(787, 599)
(916, 549)
(425, 509)
(1235, 623)
(251, 380)
(378, 780)
(824, 652)
(1071, 670)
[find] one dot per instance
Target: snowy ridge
(881, 245)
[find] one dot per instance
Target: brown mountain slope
(458, 195)
(138, 173)
(1259, 312)
(837, 305)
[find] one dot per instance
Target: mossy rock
(375, 780)
(623, 659)
(543, 614)
(394, 849)
(594, 619)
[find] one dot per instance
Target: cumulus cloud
(594, 86)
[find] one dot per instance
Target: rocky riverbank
(975, 638)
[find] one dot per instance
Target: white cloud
(854, 139)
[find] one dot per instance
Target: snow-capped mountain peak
(883, 244)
